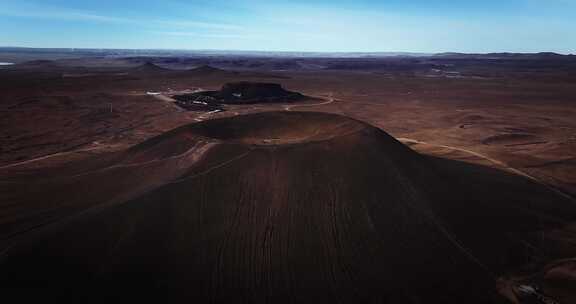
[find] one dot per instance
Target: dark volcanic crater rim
(276, 128)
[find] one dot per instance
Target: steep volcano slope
(280, 207)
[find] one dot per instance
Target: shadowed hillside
(206, 69)
(148, 68)
(277, 207)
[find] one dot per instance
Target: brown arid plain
(446, 179)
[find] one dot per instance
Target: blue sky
(298, 25)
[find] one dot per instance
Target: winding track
(169, 101)
(480, 155)
(492, 160)
(47, 156)
(329, 101)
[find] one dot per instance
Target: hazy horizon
(517, 26)
(219, 51)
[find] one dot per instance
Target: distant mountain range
(541, 55)
(201, 53)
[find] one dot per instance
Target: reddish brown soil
(461, 113)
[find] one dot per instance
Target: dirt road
(492, 160)
(47, 157)
(330, 100)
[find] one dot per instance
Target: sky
(427, 26)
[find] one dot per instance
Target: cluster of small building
(197, 102)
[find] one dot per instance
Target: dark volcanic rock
(244, 92)
(253, 90)
(277, 207)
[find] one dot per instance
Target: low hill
(38, 64)
(42, 66)
(148, 68)
(206, 69)
(502, 56)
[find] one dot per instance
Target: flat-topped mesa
(245, 92)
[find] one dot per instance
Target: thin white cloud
(63, 15)
(28, 10)
(197, 24)
(206, 35)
